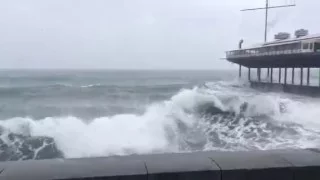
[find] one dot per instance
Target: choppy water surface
(49, 114)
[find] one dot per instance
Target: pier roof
(292, 40)
(295, 52)
(286, 41)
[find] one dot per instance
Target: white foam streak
(91, 85)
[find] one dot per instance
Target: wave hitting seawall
(215, 116)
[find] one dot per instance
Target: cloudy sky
(138, 34)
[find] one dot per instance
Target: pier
(287, 62)
(297, 55)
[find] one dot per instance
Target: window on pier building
(317, 47)
(305, 46)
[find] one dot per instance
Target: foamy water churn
(178, 117)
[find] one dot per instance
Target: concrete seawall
(213, 165)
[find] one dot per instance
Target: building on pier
(283, 54)
(301, 52)
(296, 52)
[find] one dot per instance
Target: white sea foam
(91, 85)
(157, 129)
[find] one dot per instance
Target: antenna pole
(266, 22)
(267, 13)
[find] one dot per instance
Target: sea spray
(217, 116)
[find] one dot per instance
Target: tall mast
(266, 15)
(266, 22)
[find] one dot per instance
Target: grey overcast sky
(138, 34)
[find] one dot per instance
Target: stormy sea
(81, 113)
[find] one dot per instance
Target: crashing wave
(218, 116)
(23, 147)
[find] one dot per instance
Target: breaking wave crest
(217, 116)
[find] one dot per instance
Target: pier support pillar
(268, 73)
(308, 76)
(279, 75)
(271, 77)
(301, 76)
(249, 74)
(285, 75)
(259, 74)
(239, 71)
(292, 80)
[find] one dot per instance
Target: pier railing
(255, 52)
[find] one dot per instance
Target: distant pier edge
(301, 53)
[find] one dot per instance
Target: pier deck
(283, 55)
